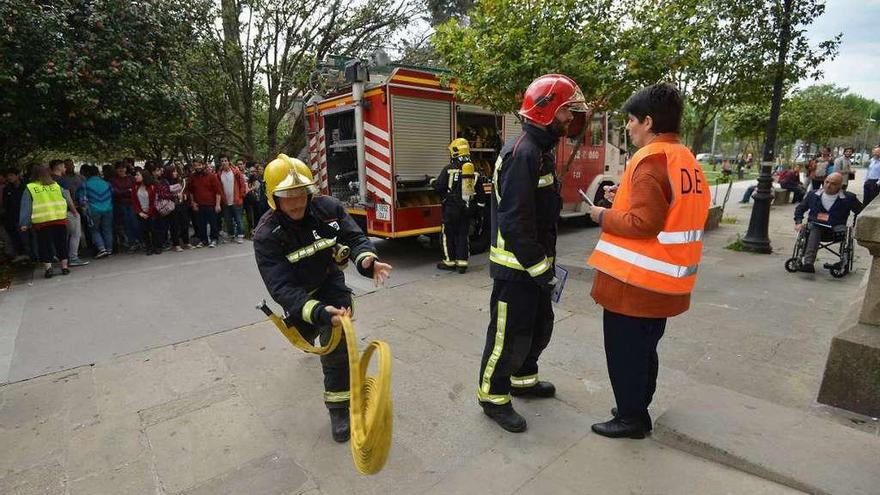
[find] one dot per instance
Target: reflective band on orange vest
(642, 261)
(682, 237)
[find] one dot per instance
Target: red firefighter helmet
(547, 94)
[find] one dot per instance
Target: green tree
(277, 44)
(85, 70)
(601, 45)
(817, 114)
(739, 56)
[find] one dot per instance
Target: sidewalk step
(781, 444)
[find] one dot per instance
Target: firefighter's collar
(546, 138)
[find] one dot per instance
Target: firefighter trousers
(334, 364)
(454, 236)
(520, 326)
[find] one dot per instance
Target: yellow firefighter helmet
(467, 169)
(285, 176)
(459, 147)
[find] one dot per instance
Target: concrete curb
(779, 444)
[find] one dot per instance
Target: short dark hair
(850, 148)
(222, 156)
(662, 102)
(54, 163)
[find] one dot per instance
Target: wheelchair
(839, 237)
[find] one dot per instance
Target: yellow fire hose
(370, 407)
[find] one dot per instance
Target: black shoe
(339, 424)
(540, 390)
(462, 269)
(444, 266)
(832, 266)
(808, 268)
(620, 428)
(505, 416)
(48, 273)
(65, 271)
(649, 424)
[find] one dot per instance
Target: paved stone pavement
(229, 406)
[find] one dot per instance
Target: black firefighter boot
(540, 390)
(339, 424)
(505, 416)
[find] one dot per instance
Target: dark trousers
(871, 191)
(520, 327)
(631, 355)
(15, 238)
(232, 217)
(207, 217)
(454, 236)
(152, 232)
(178, 224)
(335, 364)
(797, 192)
(130, 222)
(52, 241)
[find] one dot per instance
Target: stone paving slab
(593, 466)
(781, 444)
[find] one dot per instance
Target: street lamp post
(757, 239)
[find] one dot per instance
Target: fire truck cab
(407, 119)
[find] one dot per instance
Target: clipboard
(561, 277)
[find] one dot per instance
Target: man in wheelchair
(829, 210)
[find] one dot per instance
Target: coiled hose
(370, 408)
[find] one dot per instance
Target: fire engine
(377, 143)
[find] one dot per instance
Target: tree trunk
(778, 82)
(699, 134)
(272, 132)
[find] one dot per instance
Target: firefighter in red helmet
(525, 209)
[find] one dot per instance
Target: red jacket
(136, 202)
(203, 189)
(239, 187)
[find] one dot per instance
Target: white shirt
(874, 169)
(228, 180)
(828, 200)
(144, 198)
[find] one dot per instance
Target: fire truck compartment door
(512, 126)
(421, 135)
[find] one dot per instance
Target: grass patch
(736, 245)
(716, 177)
(729, 220)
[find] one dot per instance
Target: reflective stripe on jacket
(667, 263)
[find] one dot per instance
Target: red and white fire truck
(401, 129)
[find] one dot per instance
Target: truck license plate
(383, 212)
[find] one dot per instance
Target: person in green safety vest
(44, 207)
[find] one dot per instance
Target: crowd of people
(55, 210)
(816, 170)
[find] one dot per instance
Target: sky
(857, 66)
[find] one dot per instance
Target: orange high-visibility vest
(668, 262)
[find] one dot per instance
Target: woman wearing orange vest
(647, 256)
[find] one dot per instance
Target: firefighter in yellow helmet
(297, 244)
(461, 190)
